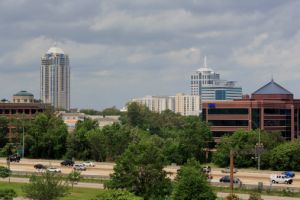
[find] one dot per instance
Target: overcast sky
(120, 49)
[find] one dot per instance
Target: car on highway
(40, 166)
(227, 170)
(289, 174)
(226, 179)
(88, 164)
(53, 169)
(14, 158)
(67, 163)
(279, 178)
(79, 167)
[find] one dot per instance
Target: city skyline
(123, 49)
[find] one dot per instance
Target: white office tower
(55, 78)
(187, 104)
(207, 84)
(157, 103)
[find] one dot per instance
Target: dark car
(40, 166)
(289, 174)
(67, 163)
(14, 158)
(226, 179)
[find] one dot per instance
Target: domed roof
(23, 93)
(55, 50)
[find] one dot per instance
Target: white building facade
(55, 78)
(207, 84)
(187, 105)
(157, 103)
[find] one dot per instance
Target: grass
(264, 192)
(75, 194)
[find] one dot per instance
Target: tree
(243, 143)
(117, 195)
(46, 138)
(74, 177)
(140, 170)
(77, 142)
(3, 131)
(4, 172)
(110, 111)
(193, 138)
(191, 183)
(7, 194)
(97, 144)
(286, 156)
(48, 186)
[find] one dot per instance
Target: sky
(121, 49)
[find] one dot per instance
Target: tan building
(23, 97)
(157, 103)
(187, 104)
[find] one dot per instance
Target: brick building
(270, 108)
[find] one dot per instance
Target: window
(220, 94)
(228, 111)
(228, 122)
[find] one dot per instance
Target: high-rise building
(207, 84)
(55, 78)
(187, 105)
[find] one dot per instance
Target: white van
(279, 178)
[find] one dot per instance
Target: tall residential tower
(55, 78)
(208, 85)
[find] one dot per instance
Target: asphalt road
(104, 169)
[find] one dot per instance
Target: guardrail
(259, 186)
(23, 173)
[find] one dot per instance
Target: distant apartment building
(181, 103)
(207, 84)
(187, 105)
(55, 78)
(157, 103)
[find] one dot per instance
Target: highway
(104, 169)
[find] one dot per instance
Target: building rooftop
(55, 50)
(23, 93)
(272, 88)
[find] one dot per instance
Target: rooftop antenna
(205, 64)
(272, 79)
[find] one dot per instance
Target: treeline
(179, 137)
(106, 112)
(277, 154)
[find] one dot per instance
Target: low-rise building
(270, 108)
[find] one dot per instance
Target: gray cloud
(125, 48)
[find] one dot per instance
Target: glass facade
(220, 94)
(255, 118)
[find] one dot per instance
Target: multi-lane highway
(104, 169)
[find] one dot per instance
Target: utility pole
(231, 170)
(23, 146)
(259, 148)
